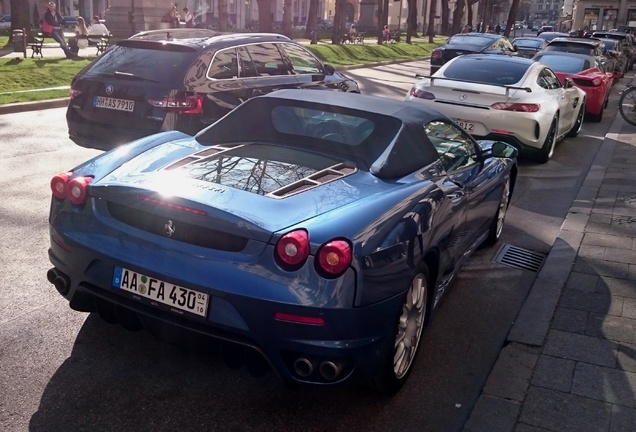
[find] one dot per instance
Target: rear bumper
(102, 137)
(352, 339)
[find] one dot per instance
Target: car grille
(183, 231)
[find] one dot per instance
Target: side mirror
(568, 83)
(329, 70)
(497, 149)
(503, 150)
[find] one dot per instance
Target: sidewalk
(569, 362)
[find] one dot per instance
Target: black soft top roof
(397, 146)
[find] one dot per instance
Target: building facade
(604, 15)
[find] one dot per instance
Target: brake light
(436, 54)
(334, 257)
(299, 319)
(180, 105)
(421, 94)
(292, 249)
(58, 185)
(73, 93)
(518, 107)
(75, 190)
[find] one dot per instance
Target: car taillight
(334, 257)
(73, 93)
(75, 190)
(587, 83)
(421, 94)
(180, 105)
(436, 54)
(292, 249)
(520, 107)
(58, 185)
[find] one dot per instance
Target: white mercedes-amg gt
(510, 99)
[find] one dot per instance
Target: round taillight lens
(293, 248)
(334, 257)
(58, 185)
(77, 190)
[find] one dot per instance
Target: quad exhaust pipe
(330, 370)
(303, 367)
(60, 281)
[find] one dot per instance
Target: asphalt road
(62, 370)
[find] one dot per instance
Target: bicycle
(627, 104)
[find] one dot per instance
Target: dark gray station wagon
(185, 79)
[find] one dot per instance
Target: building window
(590, 19)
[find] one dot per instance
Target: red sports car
(587, 73)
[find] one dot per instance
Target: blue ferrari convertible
(312, 233)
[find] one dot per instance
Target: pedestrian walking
(188, 17)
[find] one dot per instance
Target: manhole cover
(520, 258)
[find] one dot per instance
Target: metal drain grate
(517, 257)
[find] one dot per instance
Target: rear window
(566, 64)
(478, 41)
(151, 65)
(528, 43)
(570, 47)
(486, 70)
(341, 128)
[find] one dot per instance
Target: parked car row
(530, 102)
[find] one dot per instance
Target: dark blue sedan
(308, 232)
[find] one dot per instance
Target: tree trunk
(381, 20)
(458, 17)
(310, 25)
(431, 21)
(264, 16)
(20, 18)
(223, 15)
(445, 18)
(339, 28)
(287, 18)
(512, 15)
(411, 20)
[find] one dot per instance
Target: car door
(454, 220)
(566, 98)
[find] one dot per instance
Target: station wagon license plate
(467, 126)
(175, 296)
(114, 104)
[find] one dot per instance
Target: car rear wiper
(128, 75)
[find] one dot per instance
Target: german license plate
(175, 296)
(467, 126)
(114, 104)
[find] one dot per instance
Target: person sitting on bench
(53, 26)
(80, 40)
(96, 29)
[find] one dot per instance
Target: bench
(100, 42)
(357, 39)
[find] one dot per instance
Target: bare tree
(383, 19)
(264, 15)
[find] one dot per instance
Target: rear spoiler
(507, 87)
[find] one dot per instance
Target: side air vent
(210, 151)
(324, 176)
(517, 257)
